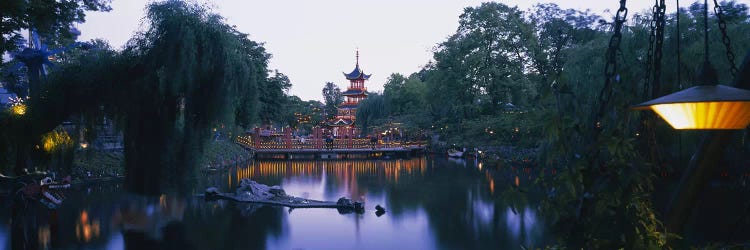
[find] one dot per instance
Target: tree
(393, 91)
(405, 99)
(273, 96)
(370, 110)
(248, 102)
(484, 61)
(52, 19)
(555, 31)
(187, 73)
(332, 97)
(300, 114)
(190, 72)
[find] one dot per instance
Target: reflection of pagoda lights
(163, 201)
(85, 230)
(44, 237)
(391, 170)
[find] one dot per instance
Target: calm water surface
(432, 203)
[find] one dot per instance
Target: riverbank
(511, 153)
(491, 153)
(94, 164)
(220, 154)
(99, 164)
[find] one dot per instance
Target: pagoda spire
(357, 73)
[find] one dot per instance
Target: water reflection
(431, 202)
(4, 236)
(438, 190)
(346, 172)
(86, 230)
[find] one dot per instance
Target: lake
(431, 203)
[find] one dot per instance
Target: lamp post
(707, 106)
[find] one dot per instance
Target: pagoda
(347, 111)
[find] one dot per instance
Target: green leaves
(198, 73)
(52, 19)
(272, 97)
(332, 97)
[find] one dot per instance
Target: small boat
(456, 153)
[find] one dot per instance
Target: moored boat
(456, 153)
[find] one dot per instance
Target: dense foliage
(53, 19)
(533, 78)
(332, 97)
(529, 79)
(187, 73)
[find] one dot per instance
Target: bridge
(285, 146)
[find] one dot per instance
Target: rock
(345, 202)
(212, 190)
(379, 208)
(212, 193)
(347, 206)
(277, 191)
(379, 213)
(255, 191)
(359, 207)
(259, 195)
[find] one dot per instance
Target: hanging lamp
(709, 106)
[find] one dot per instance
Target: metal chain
(660, 22)
(725, 38)
(679, 58)
(650, 51)
(610, 69)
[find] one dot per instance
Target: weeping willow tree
(193, 72)
(187, 73)
(370, 110)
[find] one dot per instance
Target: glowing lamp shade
(703, 107)
(705, 115)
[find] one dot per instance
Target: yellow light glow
(87, 230)
(705, 115)
(18, 109)
(52, 140)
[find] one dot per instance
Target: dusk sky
(313, 42)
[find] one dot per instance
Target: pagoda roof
(348, 106)
(340, 122)
(354, 92)
(356, 74)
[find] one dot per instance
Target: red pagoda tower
(356, 92)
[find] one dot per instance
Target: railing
(319, 144)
